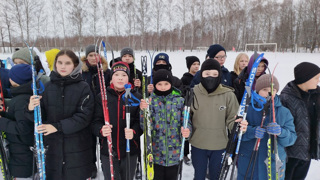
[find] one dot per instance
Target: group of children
(73, 116)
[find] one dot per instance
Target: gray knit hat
(24, 54)
(125, 51)
(91, 48)
(265, 81)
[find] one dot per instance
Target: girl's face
(194, 67)
(119, 79)
(313, 82)
(261, 68)
(265, 92)
(92, 58)
(163, 86)
(212, 73)
(64, 65)
(243, 62)
(127, 58)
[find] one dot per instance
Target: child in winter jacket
(166, 108)
(67, 106)
(213, 110)
(283, 128)
(19, 130)
(117, 129)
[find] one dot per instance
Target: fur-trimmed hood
(85, 67)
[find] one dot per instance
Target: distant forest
(166, 25)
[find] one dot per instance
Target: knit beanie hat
(125, 51)
(120, 66)
(210, 64)
(190, 60)
(51, 56)
(24, 54)
(21, 73)
(162, 75)
(91, 48)
(304, 71)
(264, 81)
(161, 56)
(214, 49)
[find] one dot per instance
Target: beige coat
(212, 114)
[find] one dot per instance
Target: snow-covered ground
(284, 73)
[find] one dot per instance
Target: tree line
(166, 25)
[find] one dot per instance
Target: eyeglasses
(220, 57)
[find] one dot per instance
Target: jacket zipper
(167, 150)
(118, 143)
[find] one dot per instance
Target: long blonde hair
(236, 68)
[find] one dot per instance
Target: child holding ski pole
(117, 129)
(213, 110)
(166, 108)
(67, 107)
(283, 127)
(19, 130)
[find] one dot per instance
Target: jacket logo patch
(222, 108)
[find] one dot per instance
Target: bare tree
(62, 15)
(7, 16)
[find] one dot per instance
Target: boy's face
(312, 83)
(163, 86)
(194, 67)
(127, 58)
(221, 57)
(92, 59)
(161, 62)
(212, 73)
(119, 79)
(19, 61)
(265, 92)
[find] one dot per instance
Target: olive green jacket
(212, 114)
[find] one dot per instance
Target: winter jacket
(90, 75)
(117, 118)
(167, 120)
(19, 132)
(132, 75)
(287, 137)
(212, 114)
(233, 76)
(4, 75)
(291, 98)
(67, 104)
(186, 79)
(225, 78)
(240, 81)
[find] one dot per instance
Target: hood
(85, 67)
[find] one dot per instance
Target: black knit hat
(125, 51)
(214, 49)
(304, 71)
(120, 66)
(91, 48)
(190, 60)
(162, 75)
(210, 64)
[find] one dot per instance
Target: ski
(127, 95)
(186, 116)
(39, 149)
(151, 58)
(147, 129)
(105, 109)
(236, 134)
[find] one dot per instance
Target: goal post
(261, 46)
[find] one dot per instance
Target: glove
(274, 129)
(259, 133)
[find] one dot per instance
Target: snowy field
(284, 73)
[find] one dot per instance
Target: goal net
(261, 47)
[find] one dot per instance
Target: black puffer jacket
(67, 104)
(19, 131)
(186, 79)
(117, 117)
(292, 99)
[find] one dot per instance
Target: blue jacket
(225, 78)
(286, 138)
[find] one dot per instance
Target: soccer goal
(261, 47)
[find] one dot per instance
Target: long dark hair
(70, 54)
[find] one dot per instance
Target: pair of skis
(186, 116)
(39, 148)
(234, 142)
